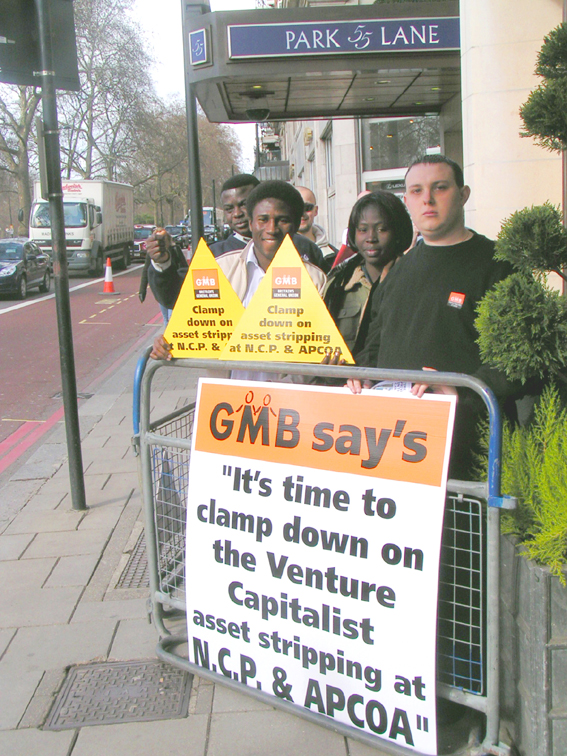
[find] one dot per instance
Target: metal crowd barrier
(468, 606)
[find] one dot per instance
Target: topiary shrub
(522, 328)
(522, 323)
(552, 58)
(534, 240)
(545, 115)
(545, 111)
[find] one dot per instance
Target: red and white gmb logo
(456, 299)
(206, 284)
(286, 283)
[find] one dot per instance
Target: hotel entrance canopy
(302, 63)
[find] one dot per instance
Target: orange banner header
(371, 434)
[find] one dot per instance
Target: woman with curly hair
(379, 230)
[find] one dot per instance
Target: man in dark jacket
(234, 194)
(422, 315)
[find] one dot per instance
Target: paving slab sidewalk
(62, 607)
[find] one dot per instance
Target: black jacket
(423, 315)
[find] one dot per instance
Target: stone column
(500, 40)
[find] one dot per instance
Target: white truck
(99, 223)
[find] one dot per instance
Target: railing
(468, 608)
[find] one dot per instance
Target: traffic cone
(108, 287)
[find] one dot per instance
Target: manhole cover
(117, 692)
(136, 573)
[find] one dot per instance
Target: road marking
(73, 288)
(86, 322)
(18, 434)
(20, 420)
(22, 438)
(20, 445)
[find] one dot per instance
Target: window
(75, 214)
(327, 137)
(40, 216)
(330, 166)
(11, 252)
(389, 143)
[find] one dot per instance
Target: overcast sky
(162, 24)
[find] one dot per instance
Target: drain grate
(80, 395)
(117, 692)
(136, 574)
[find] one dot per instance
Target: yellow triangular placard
(286, 320)
(206, 311)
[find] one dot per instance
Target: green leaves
(545, 113)
(522, 328)
(522, 323)
(552, 58)
(534, 471)
(534, 239)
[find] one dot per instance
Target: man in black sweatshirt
(422, 315)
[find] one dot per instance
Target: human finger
(161, 350)
(354, 385)
(158, 246)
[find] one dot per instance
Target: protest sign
(314, 523)
(206, 311)
(286, 320)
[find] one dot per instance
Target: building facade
(480, 128)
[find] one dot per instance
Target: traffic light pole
(55, 196)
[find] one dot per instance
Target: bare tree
(160, 169)
(18, 106)
(99, 123)
(219, 150)
(155, 167)
(115, 127)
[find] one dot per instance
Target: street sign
(343, 37)
(19, 44)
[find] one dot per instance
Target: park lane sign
(314, 523)
(342, 37)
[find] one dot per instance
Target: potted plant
(522, 327)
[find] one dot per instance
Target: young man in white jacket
(275, 209)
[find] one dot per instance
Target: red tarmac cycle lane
(104, 328)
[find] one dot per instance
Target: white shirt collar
(244, 239)
(254, 274)
(251, 258)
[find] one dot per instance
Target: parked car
(23, 266)
(179, 234)
(141, 233)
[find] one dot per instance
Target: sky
(161, 22)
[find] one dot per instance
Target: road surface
(104, 327)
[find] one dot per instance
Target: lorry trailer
(99, 223)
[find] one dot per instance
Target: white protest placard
(314, 522)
